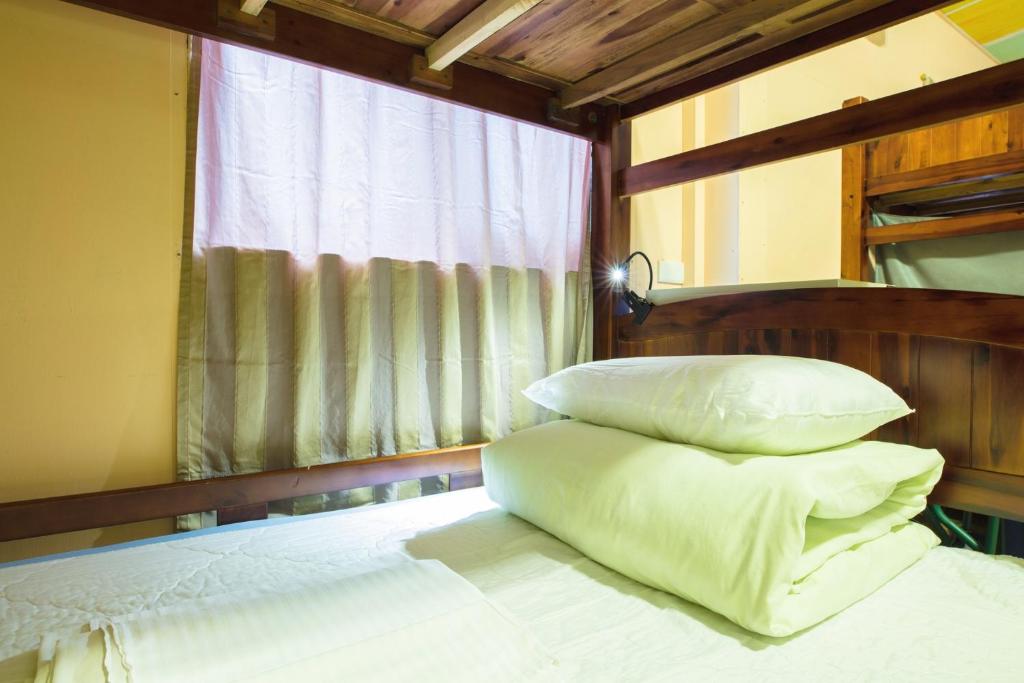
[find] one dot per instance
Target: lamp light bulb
(618, 274)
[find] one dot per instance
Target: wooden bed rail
(977, 93)
(986, 493)
(981, 224)
(234, 497)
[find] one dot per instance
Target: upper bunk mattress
(955, 615)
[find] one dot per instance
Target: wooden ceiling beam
(476, 27)
(989, 90)
(253, 7)
(314, 40)
(857, 26)
(407, 35)
(707, 36)
(798, 21)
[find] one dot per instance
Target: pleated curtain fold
(414, 329)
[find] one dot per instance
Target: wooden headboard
(957, 357)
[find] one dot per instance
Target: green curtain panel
(979, 263)
(286, 366)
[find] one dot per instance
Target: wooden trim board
(40, 517)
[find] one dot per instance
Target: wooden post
(610, 228)
(856, 214)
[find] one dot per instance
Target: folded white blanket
(775, 543)
(416, 621)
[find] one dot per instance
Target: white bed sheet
(954, 616)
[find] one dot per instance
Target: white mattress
(954, 616)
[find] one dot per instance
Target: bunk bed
(959, 178)
(626, 59)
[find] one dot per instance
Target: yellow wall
(657, 216)
(790, 212)
(92, 137)
(782, 222)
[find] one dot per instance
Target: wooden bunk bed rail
(883, 181)
(989, 90)
(236, 498)
(978, 224)
(968, 174)
(956, 357)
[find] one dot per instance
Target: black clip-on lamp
(640, 306)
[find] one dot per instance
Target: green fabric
(978, 263)
(288, 364)
(776, 544)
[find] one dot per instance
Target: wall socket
(670, 272)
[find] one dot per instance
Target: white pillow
(774, 405)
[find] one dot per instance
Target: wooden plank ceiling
(591, 50)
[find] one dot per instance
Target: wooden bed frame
(956, 357)
(976, 337)
(970, 172)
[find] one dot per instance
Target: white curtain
(369, 272)
(311, 162)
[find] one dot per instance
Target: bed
(954, 614)
(958, 356)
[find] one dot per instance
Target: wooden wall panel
(982, 135)
(719, 343)
(944, 398)
(970, 138)
(854, 348)
(805, 344)
(682, 345)
(898, 356)
(759, 342)
(897, 150)
(858, 350)
(877, 159)
(943, 142)
(779, 342)
(919, 150)
(998, 410)
(1015, 129)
